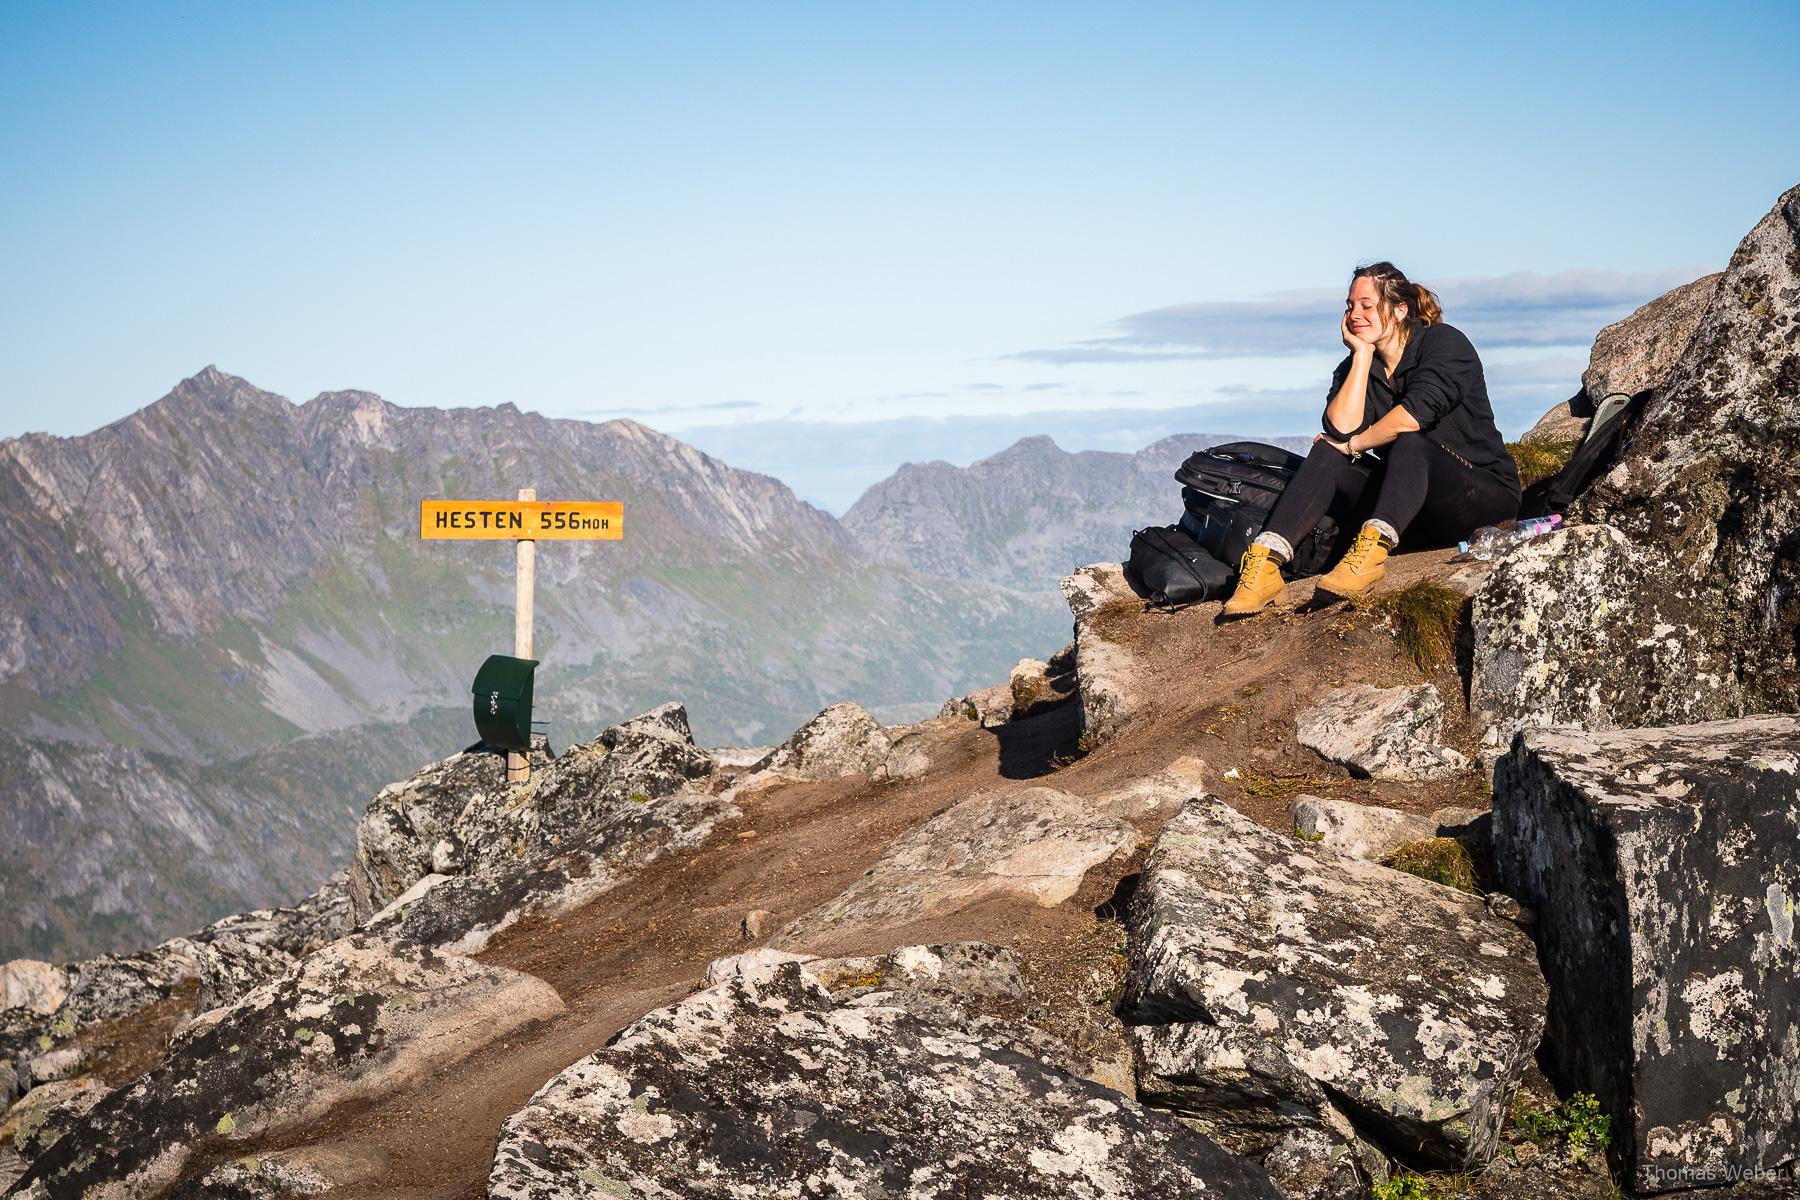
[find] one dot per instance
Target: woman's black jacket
(1439, 381)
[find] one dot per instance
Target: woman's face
(1362, 312)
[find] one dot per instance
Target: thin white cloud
(1522, 308)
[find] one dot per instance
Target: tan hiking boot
(1360, 569)
(1259, 583)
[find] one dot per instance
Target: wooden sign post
(524, 522)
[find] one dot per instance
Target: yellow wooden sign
(522, 520)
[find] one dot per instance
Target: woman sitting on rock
(1410, 445)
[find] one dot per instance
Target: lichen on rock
(762, 1086)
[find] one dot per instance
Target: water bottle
(1491, 541)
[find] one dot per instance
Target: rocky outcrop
(1584, 626)
(1406, 1002)
(1678, 602)
(1382, 733)
(1034, 844)
(1039, 686)
(1711, 477)
(1640, 351)
(762, 1085)
(1663, 864)
(454, 854)
(462, 912)
(1106, 671)
(410, 829)
(356, 1020)
(842, 740)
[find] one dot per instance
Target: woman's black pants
(1430, 496)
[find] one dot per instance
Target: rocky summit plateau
(220, 629)
(1480, 887)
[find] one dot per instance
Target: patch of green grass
(1425, 617)
(1578, 1124)
(1407, 1187)
(1441, 860)
(1540, 460)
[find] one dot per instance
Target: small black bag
(1228, 494)
(1169, 567)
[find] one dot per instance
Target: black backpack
(1166, 566)
(1595, 455)
(1228, 493)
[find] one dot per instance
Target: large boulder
(1405, 1001)
(844, 739)
(1684, 605)
(1584, 626)
(1033, 845)
(1106, 671)
(355, 1021)
(1664, 865)
(1712, 472)
(1381, 733)
(1637, 353)
(762, 1086)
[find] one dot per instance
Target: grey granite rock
(1366, 831)
(462, 912)
(48, 1112)
(1037, 689)
(231, 966)
(1406, 1001)
(1675, 603)
(842, 740)
(1031, 844)
(356, 1020)
(1106, 671)
(1640, 351)
(761, 1086)
(1663, 864)
(1381, 733)
(38, 987)
(1585, 626)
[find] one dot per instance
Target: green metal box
(503, 701)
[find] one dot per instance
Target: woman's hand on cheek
(1353, 343)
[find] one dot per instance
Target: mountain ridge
(1028, 515)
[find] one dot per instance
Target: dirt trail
(1227, 694)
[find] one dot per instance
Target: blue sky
(952, 225)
